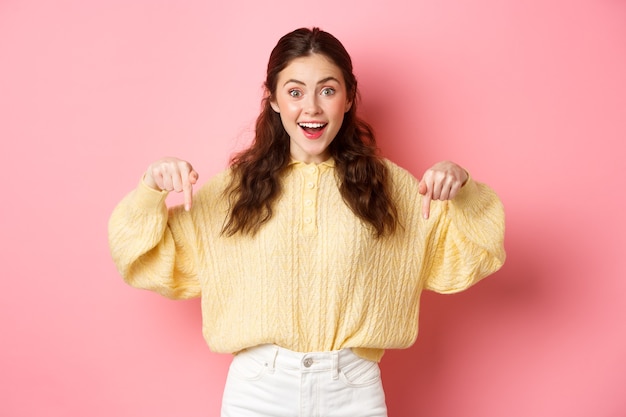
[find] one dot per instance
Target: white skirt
(271, 381)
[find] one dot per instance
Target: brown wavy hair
(362, 176)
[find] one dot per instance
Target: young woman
(310, 251)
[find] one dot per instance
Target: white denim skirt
(271, 381)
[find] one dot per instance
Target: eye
(328, 91)
(295, 93)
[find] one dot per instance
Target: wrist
(150, 183)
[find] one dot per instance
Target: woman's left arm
(467, 243)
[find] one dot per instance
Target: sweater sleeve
(466, 241)
(153, 247)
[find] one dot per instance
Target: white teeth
(312, 125)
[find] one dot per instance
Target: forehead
(311, 68)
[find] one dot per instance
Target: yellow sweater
(314, 278)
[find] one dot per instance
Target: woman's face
(311, 99)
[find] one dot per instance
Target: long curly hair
(362, 176)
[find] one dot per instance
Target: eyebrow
(323, 81)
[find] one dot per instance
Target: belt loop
(335, 364)
(273, 362)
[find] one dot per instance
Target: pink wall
(529, 95)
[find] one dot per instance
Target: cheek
(338, 109)
(290, 110)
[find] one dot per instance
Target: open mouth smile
(312, 130)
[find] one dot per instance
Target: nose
(311, 105)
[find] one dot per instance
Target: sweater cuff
(146, 197)
(468, 194)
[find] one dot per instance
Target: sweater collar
(329, 163)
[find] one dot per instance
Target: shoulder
(404, 190)
(400, 179)
(215, 186)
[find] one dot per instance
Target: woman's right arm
(148, 250)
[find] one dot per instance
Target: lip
(313, 135)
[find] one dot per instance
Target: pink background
(530, 96)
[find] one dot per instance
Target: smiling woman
(310, 252)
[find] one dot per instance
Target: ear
(348, 106)
(351, 96)
(267, 95)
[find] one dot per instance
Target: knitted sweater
(314, 278)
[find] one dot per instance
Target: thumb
(193, 177)
(422, 188)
